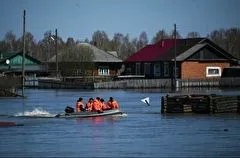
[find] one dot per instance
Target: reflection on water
(142, 131)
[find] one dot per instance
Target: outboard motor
(69, 109)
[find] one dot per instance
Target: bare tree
(100, 40)
(193, 35)
(161, 34)
(10, 40)
(116, 41)
(143, 40)
(228, 39)
(126, 48)
(171, 34)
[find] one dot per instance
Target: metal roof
(98, 54)
(190, 52)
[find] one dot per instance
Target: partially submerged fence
(135, 83)
(200, 104)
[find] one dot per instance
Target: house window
(146, 68)
(79, 72)
(157, 70)
(138, 70)
(103, 70)
(177, 72)
(166, 69)
(213, 71)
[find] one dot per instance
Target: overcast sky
(80, 18)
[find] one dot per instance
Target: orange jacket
(105, 106)
(113, 104)
(89, 106)
(79, 105)
(96, 106)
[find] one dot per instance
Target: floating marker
(146, 100)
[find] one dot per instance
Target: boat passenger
(104, 105)
(112, 103)
(96, 105)
(89, 105)
(80, 105)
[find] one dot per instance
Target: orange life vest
(89, 106)
(78, 106)
(96, 106)
(105, 106)
(113, 104)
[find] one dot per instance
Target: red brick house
(196, 58)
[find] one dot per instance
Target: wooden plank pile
(200, 104)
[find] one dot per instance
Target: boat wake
(37, 112)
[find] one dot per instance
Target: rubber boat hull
(89, 114)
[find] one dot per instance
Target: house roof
(190, 51)
(163, 50)
(98, 54)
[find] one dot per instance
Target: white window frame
(103, 70)
(213, 75)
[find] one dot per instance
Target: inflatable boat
(89, 114)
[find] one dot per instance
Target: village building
(99, 66)
(192, 58)
(11, 63)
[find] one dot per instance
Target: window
(138, 70)
(213, 71)
(177, 72)
(79, 71)
(166, 69)
(146, 68)
(103, 70)
(157, 70)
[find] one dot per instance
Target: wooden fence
(134, 83)
(198, 83)
(200, 104)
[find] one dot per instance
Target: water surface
(143, 132)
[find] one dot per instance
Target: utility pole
(56, 51)
(175, 54)
(23, 56)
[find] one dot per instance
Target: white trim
(213, 75)
(103, 70)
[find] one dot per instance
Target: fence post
(162, 104)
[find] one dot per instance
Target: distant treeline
(228, 39)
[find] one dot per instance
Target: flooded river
(141, 132)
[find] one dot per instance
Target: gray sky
(80, 18)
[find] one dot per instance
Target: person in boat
(80, 105)
(112, 103)
(104, 105)
(97, 105)
(89, 105)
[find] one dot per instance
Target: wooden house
(12, 63)
(195, 58)
(101, 64)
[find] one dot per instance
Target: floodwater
(141, 132)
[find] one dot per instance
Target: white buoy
(146, 100)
